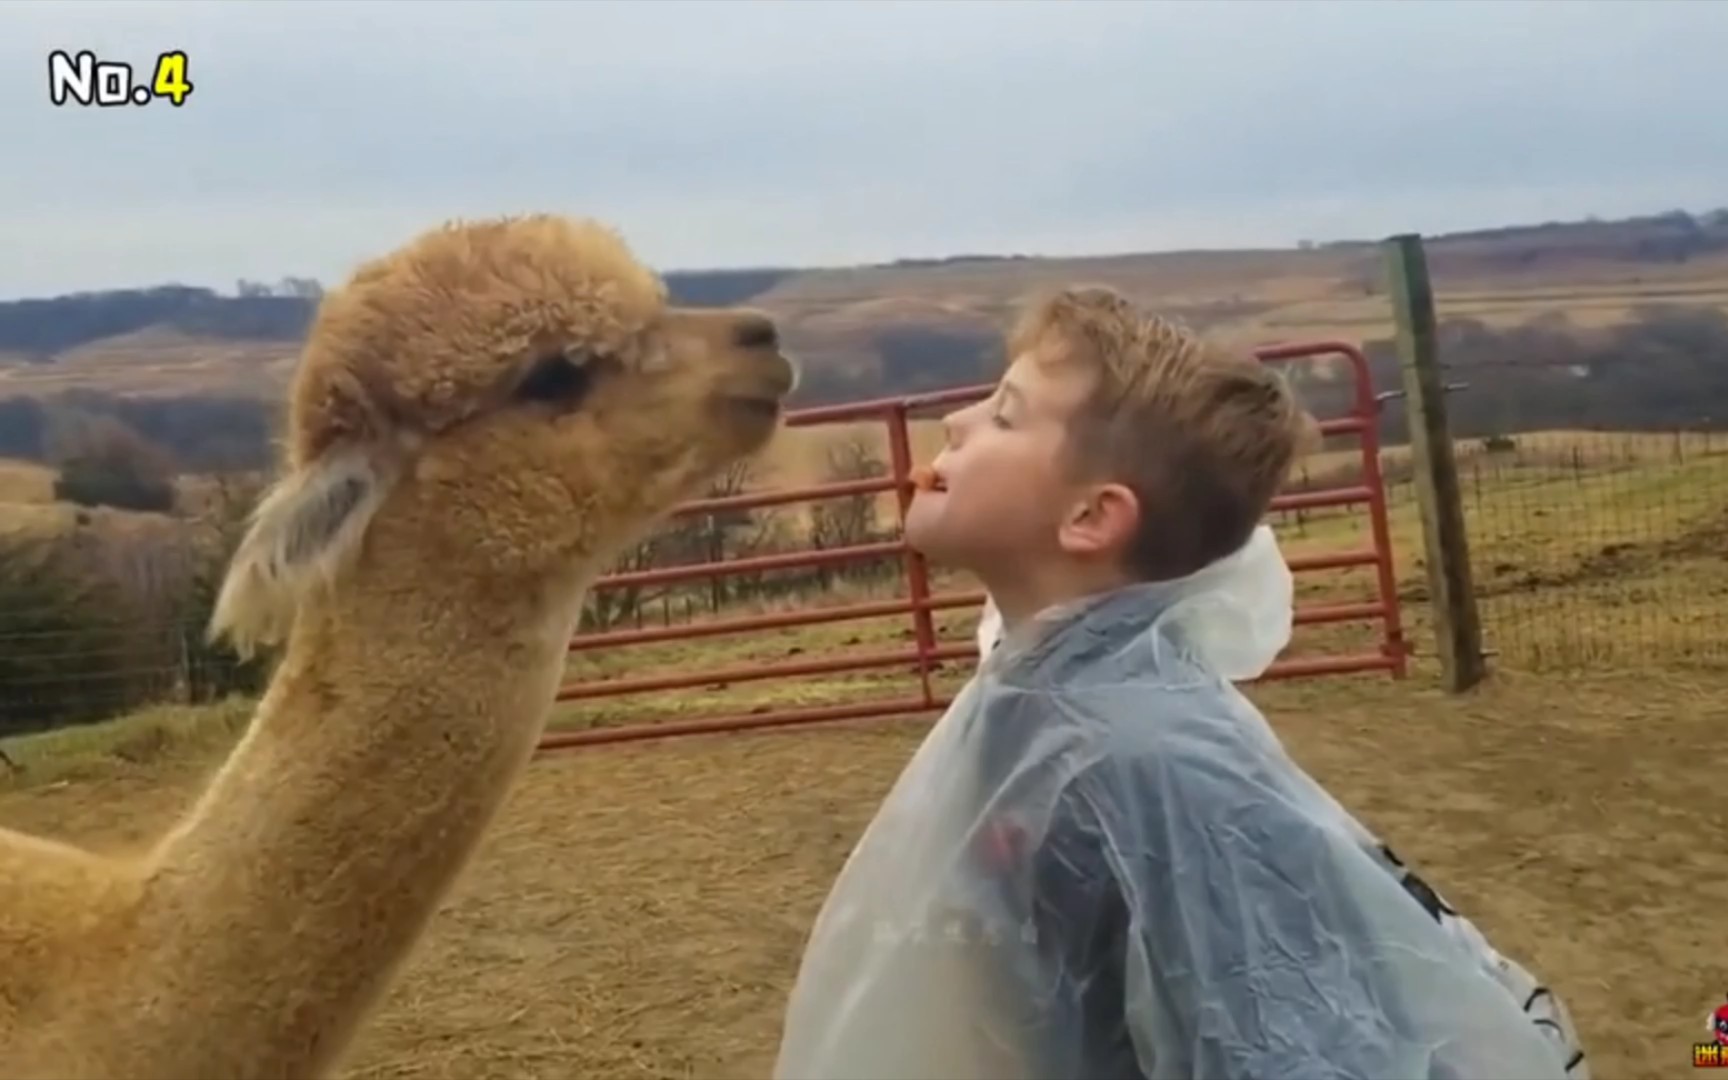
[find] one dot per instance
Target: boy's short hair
(1202, 434)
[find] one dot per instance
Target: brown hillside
(1595, 272)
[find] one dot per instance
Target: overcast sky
(780, 133)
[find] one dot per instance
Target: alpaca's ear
(304, 530)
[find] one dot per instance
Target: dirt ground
(639, 911)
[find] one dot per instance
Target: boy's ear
(1103, 523)
(306, 527)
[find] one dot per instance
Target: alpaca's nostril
(756, 332)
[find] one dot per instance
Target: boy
(1101, 863)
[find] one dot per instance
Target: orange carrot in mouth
(924, 478)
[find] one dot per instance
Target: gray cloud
(767, 132)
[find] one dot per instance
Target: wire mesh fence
(1587, 548)
(1599, 548)
(61, 667)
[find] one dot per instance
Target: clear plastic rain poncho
(1101, 863)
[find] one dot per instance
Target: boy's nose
(951, 425)
(955, 423)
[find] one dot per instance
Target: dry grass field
(154, 361)
(27, 504)
(28, 509)
(639, 910)
(25, 482)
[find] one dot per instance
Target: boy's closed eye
(1006, 401)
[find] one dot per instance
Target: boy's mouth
(925, 478)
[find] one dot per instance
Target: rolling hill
(1618, 324)
(930, 322)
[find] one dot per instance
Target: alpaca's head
(511, 398)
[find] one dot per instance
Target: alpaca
(480, 422)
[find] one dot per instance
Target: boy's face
(1007, 500)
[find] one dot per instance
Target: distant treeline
(1669, 238)
(1702, 226)
(196, 433)
(910, 360)
(1666, 369)
(40, 329)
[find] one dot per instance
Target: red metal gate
(920, 603)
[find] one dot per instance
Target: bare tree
(212, 670)
(605, 608)
(846, 520)
(103, 461)
(683, 541)
(727, 534)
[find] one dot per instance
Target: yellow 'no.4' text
(85, 80)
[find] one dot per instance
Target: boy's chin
(920, 540)
(925, 535)
(941, 547)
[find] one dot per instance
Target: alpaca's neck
(390, 736)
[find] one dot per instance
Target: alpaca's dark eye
(557, 380)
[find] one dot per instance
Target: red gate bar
(920, 604)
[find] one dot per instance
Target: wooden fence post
(1446, 546)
